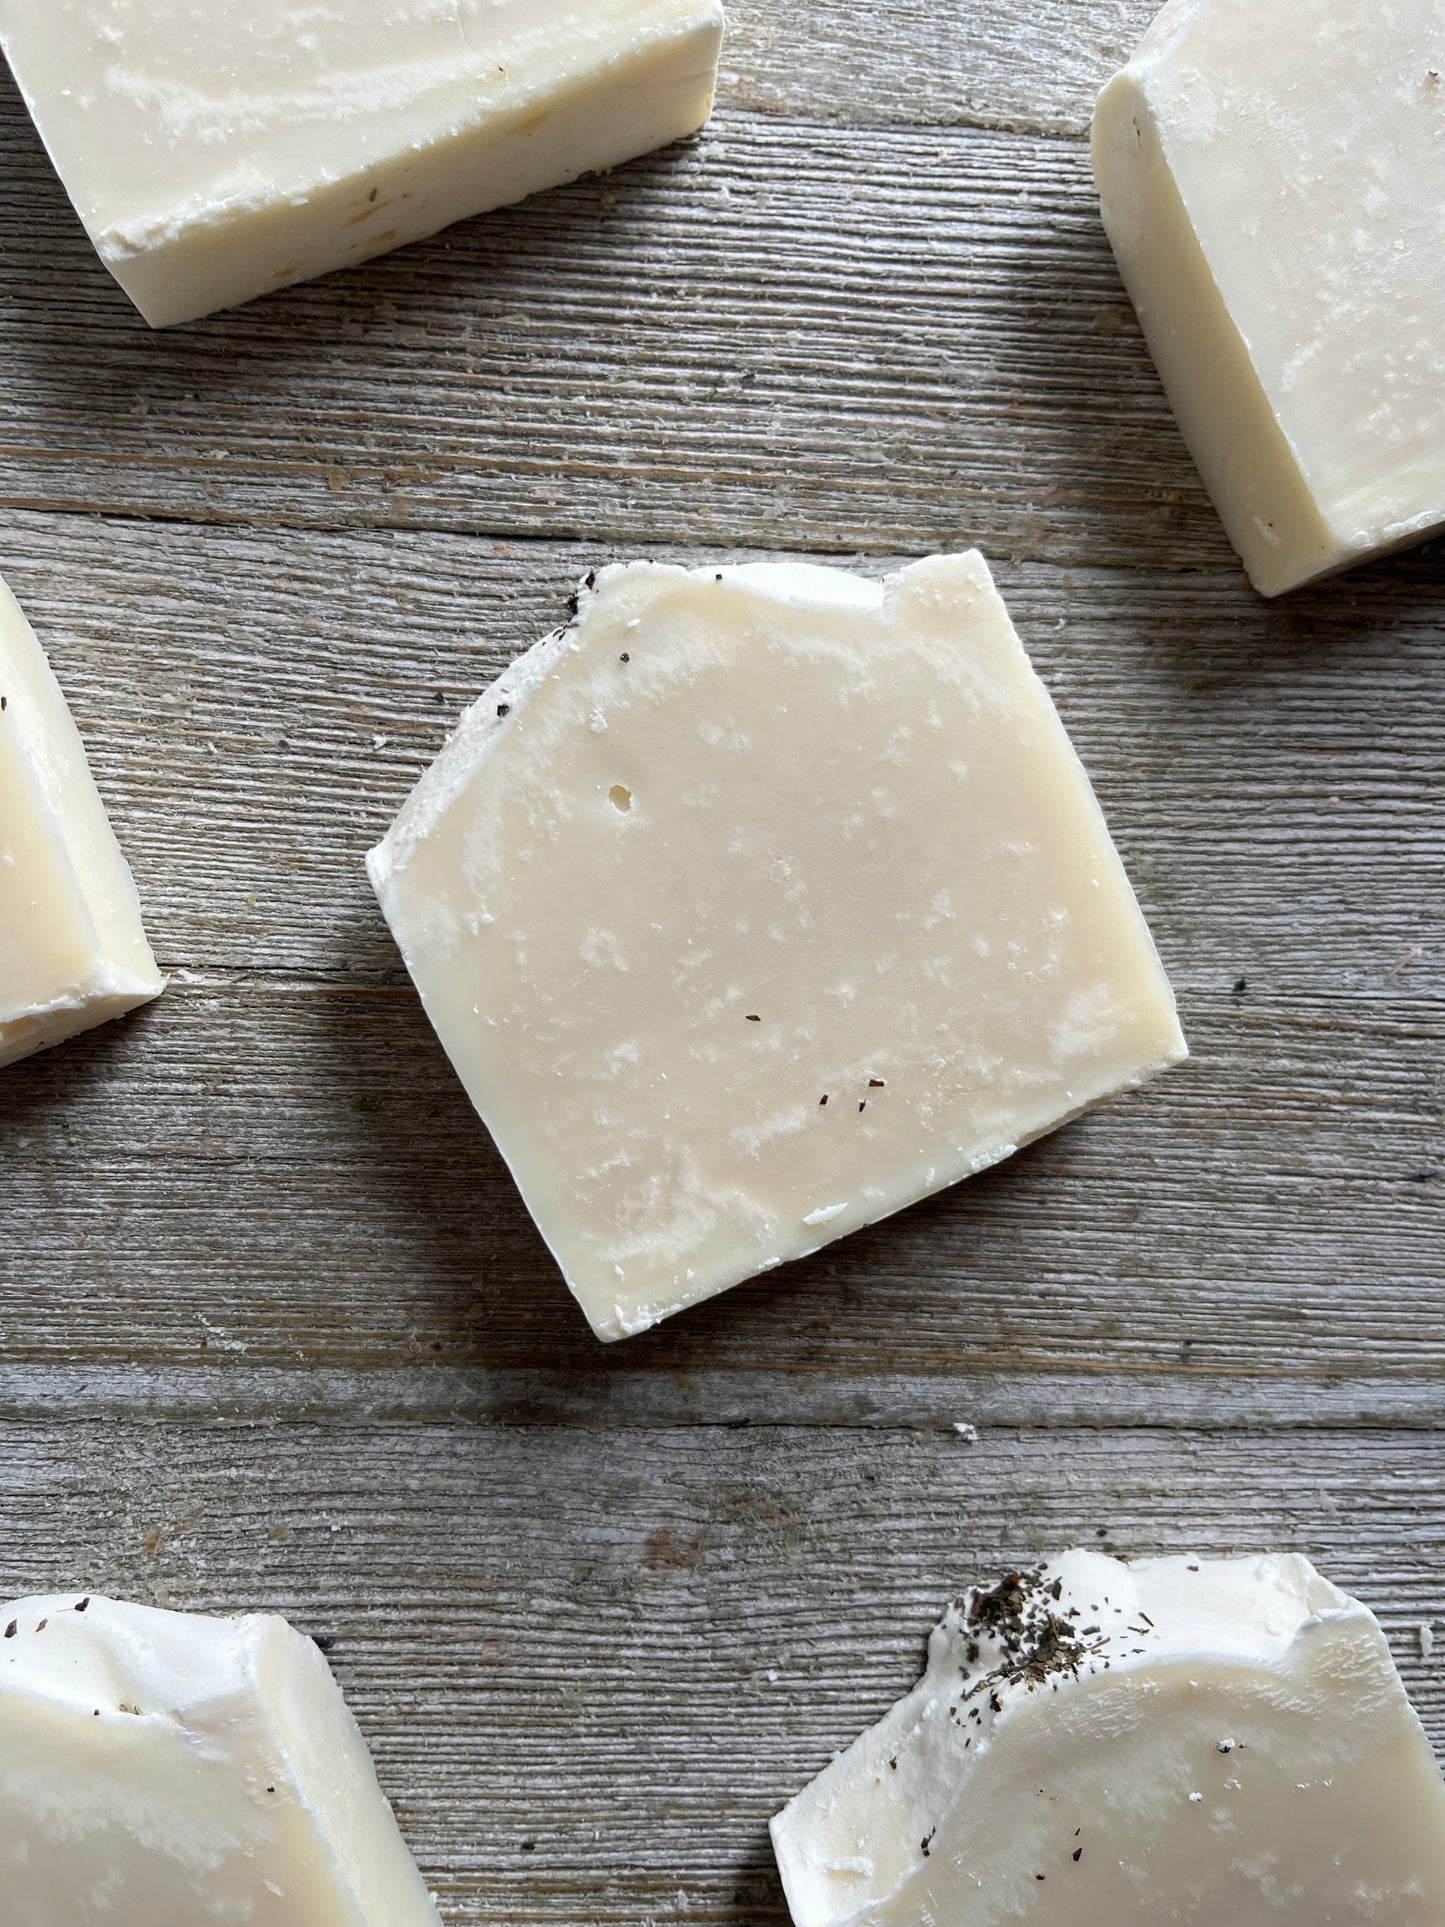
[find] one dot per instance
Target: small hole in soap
(620, 797)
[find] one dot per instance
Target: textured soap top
(1272, 178)
(162, 1769)
(72, 948)
(1101, 1744)
(759, 903)
(162, 112)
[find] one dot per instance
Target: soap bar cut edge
(1204, 363)
(1257, 1618)
(115, 987)
(1202, 359)
(221, 257)
(223, 1696)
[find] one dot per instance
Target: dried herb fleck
(1037, 1645)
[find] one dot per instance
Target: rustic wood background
(275, 1330)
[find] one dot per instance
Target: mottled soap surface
(1298, 149)
(218, 155)
(155, 109)
(1166, 1743)
(165, 1769)
(761, 904)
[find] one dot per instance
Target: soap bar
(758, 904)
(161, 1769)
(73, 952)
(1272, 178)
(216, 153)
(1109, 1745)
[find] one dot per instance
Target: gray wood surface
(274, 1328)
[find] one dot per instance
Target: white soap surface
(217, 153)
(759, 904)
(162, 1769)
(72, 949)
(1272, 177)
(1174, 1743)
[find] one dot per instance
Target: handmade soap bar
(1272, 177)
(1100, 1745)
(72, 950)
(759, 904)
(216, 153)
(160, 1769)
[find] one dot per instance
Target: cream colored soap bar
(162, 1769)
(1177, 1743)
(216, 153)
(1272, 174)
(72, 950)
(760, 904)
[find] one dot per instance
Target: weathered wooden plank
(988, 63)
(868, 339)
(591, 1667)
(277, 1179)
(222, 1386)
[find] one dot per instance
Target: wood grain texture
(872, 339)
(277, 1179)
(592, 1666)
(982, 63)
(275, 1329)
